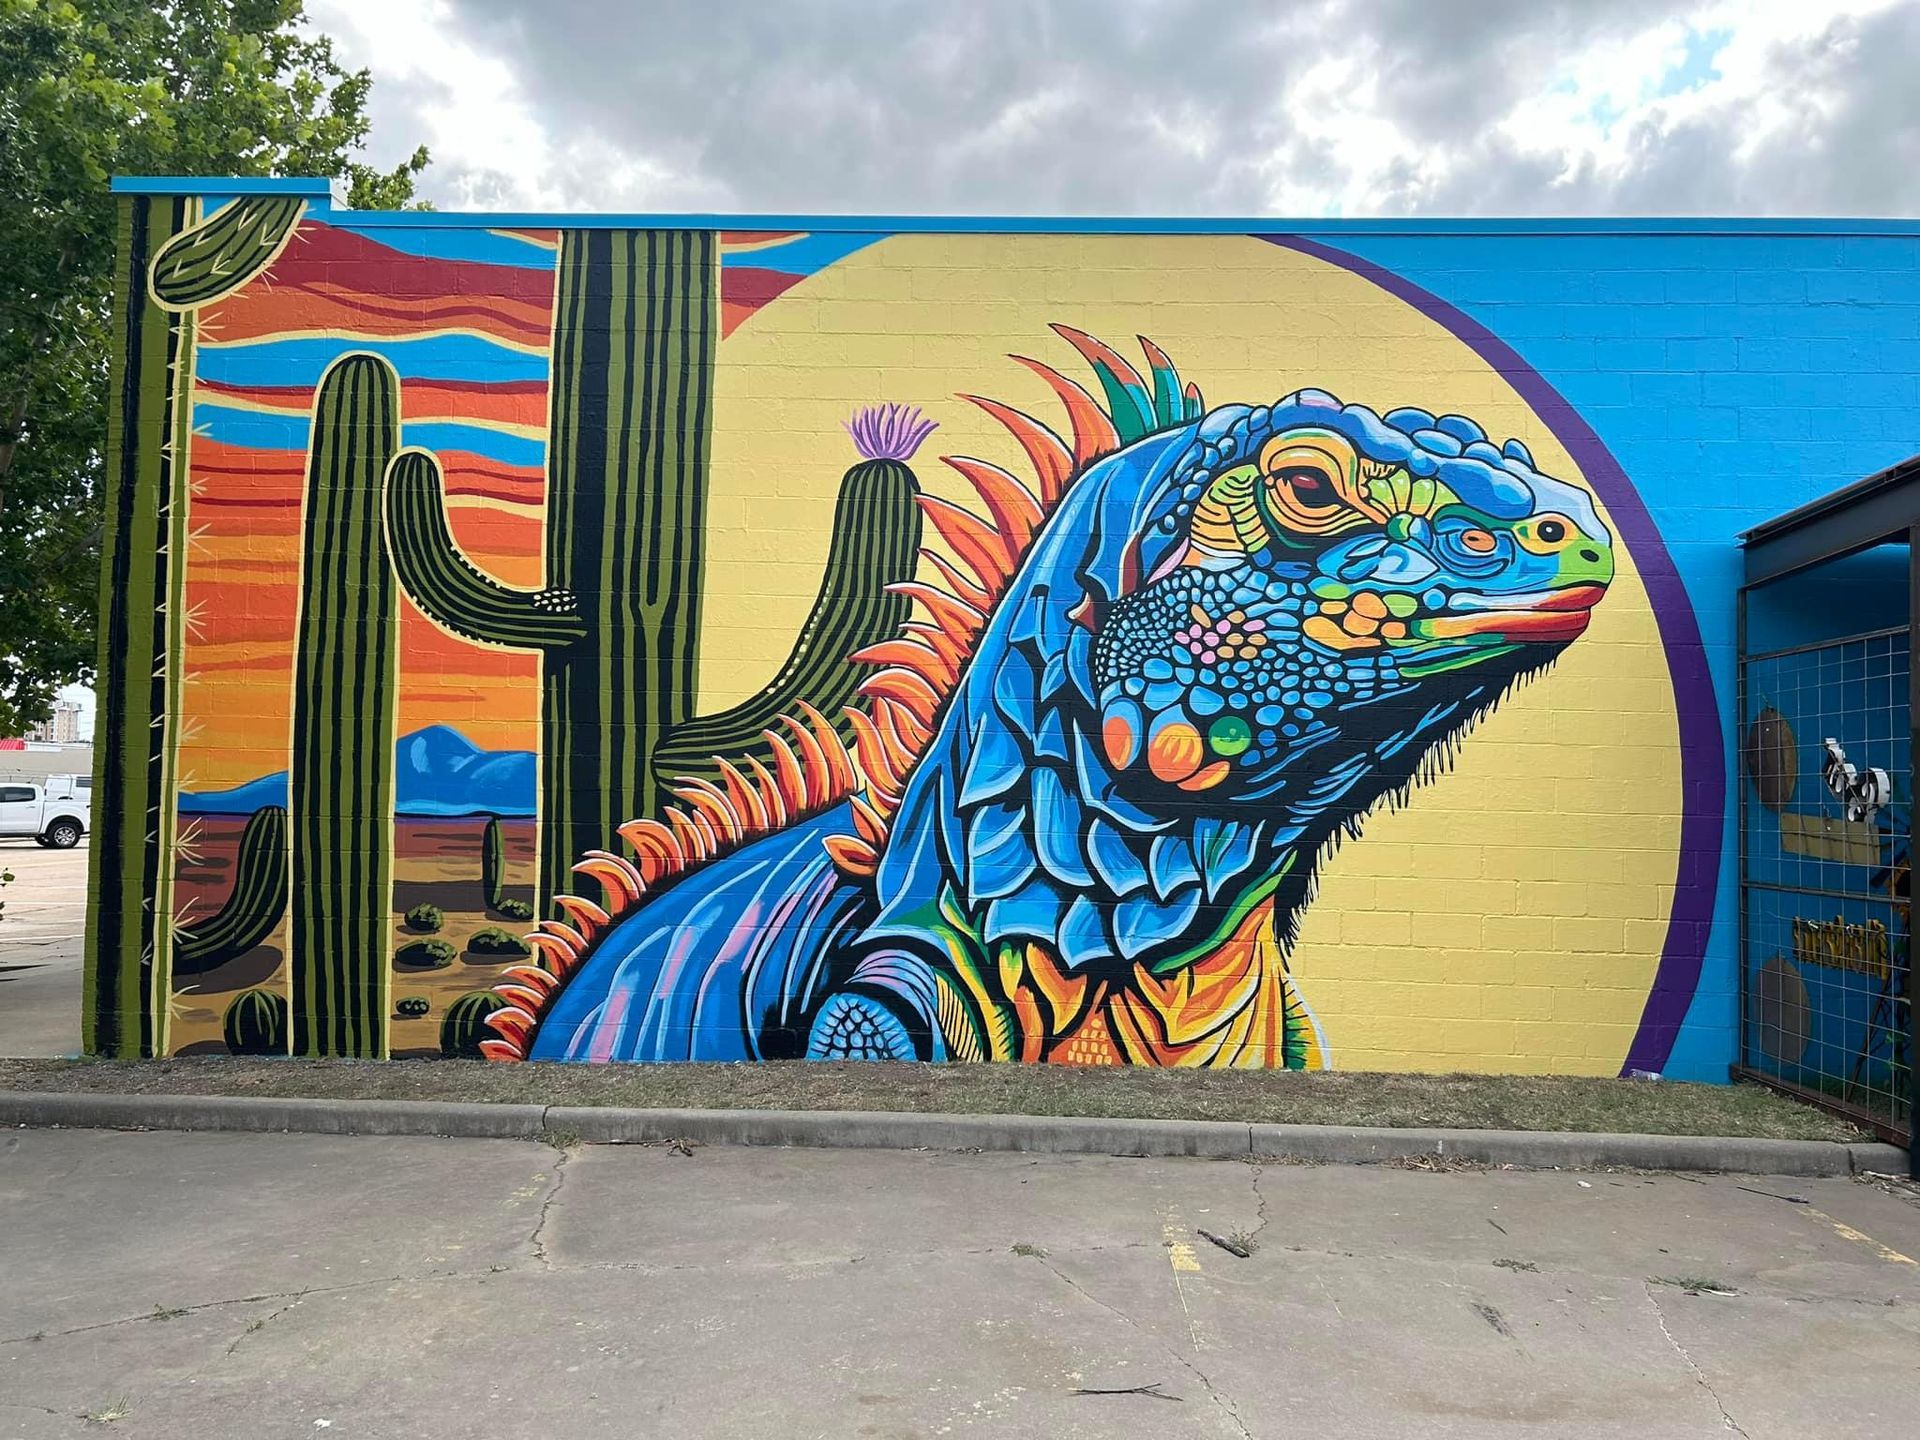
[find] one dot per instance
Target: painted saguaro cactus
(341, 781)
(173, 262)
(254, 906)
(125, 1004)
(636, 319)
(875, 545)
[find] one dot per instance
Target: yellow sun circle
(1510, 916)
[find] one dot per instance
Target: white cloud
(1173, 107)
(466, 103)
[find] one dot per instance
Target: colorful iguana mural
(1092, 780)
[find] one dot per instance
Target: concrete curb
(884, 1130)
(262, 1113)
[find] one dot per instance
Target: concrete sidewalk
(223, 1285)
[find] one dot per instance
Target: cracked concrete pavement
(256, 1286)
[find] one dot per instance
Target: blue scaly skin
(1233, 638)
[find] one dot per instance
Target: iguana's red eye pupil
(1310, 487)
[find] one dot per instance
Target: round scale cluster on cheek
(1205, 672)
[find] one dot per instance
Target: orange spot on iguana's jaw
(1209, 777)
(1119, 740)
(1175, 751)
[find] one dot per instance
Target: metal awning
(1879, 508)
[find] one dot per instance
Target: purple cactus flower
(889, 432)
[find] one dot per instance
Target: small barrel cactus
(256, 1023)
(465, 1024)
(413, 1007)
(425, 955)
(426, 918)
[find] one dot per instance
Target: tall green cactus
(636, 319)
(875, 545)
(254, 906)
(127, 982)
(172, 262)
(341, 781)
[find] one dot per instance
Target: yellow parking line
(1847, 1232)
(1180, 1254)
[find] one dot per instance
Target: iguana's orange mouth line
(1554, 615)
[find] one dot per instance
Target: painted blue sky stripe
(270, 430)
(478, 247)
(804, 256)
(494, 444)
(255, 429)
(302, 361)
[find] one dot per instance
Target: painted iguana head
(1231, 639)
(1311, 588)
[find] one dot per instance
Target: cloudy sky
(1143, 107)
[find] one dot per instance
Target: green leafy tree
(90, 89)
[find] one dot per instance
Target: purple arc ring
(1702, 745)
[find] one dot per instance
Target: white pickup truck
(56, 814)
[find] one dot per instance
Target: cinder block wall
(1255, 701)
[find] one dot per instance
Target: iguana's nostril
(1592, 557)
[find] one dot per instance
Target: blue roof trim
(1107, 225)
(227, 185)
(1025, 224)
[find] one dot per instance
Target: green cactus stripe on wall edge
(876, 540)
(221, 254)
(257, 901)
(126, 982)
(341, 780)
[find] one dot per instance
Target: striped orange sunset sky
(465, 316)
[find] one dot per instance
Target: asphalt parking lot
(41, 934)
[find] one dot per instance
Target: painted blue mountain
(437, 771)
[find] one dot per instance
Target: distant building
(62, 727)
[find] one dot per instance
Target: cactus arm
(449, 588)
(258, 899)
(222, 253)
(876, 538)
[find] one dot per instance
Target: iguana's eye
(1477, 542)
(1308, 485)
(1311, 488)
(1546, 534)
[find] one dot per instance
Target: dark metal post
(1740, 839)
(1913, 720)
